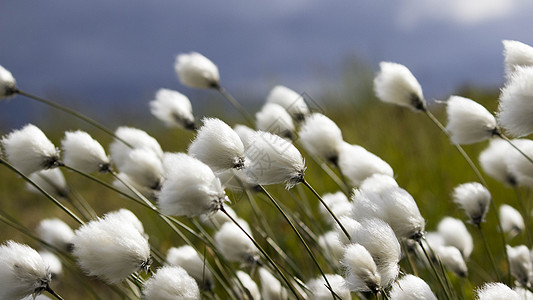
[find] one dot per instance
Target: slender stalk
(487, 248)
(249, 119)
(499, 134)
(54, 200)
(523, 208)
(51, 292)
(72, 112)
(441, 282)
(414, 270)
(291, 224)
(274, 265)
(327, 207)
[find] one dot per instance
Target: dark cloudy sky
(104, 51)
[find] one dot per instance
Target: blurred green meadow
(425, 163)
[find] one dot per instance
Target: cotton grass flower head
(361, 270)
(516, 54)
(29, 150)
(520, 166)
(357, 164)
(111, 249)
(169, 283)
(125, 216)
(320, 291)
(378, 183)
(145, 168)
(251, 290)
(454, 233)
(395, 84)
(196, 71)
(56, 233)
(275, 119)
(468, 121)
(236, 180)
(511, 219)
(474, 198)
(352, 227)
(187, 258)
(322, 137)
(452, 259)
(331, 245)
(271, 288)
(245, 133)
(51, 180)
(496, 291)
(54, 264)
(8, 85)
(516, 103)
(271, 159)
(84, 153)
(410, 287)
(22, 271)
(523, 293)
(191, 189)
(136, 138)
(494, 161)
(173, 108)
(293, 102)
(218, 146)
(338, 203)
(520, 264)
(234, 245)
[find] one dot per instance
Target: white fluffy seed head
(452, 259)
(395, 84)
(235, 245)
(494, 162)
(8, 84)
(351, 226)
(293, 102)
(29, 150)
(218, 146)
(361, 270)
(516, 54)
(196, 71)
(235, 180)
(245, 133)
(410, 287)
(523, 293)
(136, 138)
(125, 216)
(173, 108)
(191, 189)
(520, 263)
(320, 291)
(271, 160)
(516, 103)
(145, 168)
(454, 233)
(271, 288)
(321, 136)
(496, 291)
(54, 264)
(518, 165)
(171, 282)
(22, 271)
(378, 183)
(468, 121)
(381, 242)
(474, 198)
(111, 249)
(331, 245)
(357, 164)
(251, 291)
(275, 119)
(84, 153)
(56, 233)
(339, 205)
(512, 220)
(51, 180)
(187, 258)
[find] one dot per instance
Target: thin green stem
(327, 207)
(249, 119)
(499, 134)
(53, 293)
(72, 112)
(487, 248)
(430, 261)
(525, 213)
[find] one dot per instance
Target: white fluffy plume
(22, 271)
(271, 159)
(496, 291)
(84, 153)
(395, 84)
(290, 100)
(493, 161)
(321, 136)
(512, 220)
(520, 264)
(245, 133)
(454, 233)
(145, 168)
(51, 180)
(357, 164)
(474, 198)
(56, 233)
(196, 71)
(339, 205)
(361, 270)
(191, 189)
(275, 119)
(452, 259)
(468, 121)
(331, 245)
(516, 54)
(516, 103)
(125, 216)
(136, 138)
(187, 258)
(8, 84)
(271, 288)
(519, 166)
(173, 108)
(320, 291)
(249, 285)
(235, 245)
(29, 150)
(111, 249)
(218, 146)
(170, 283)
(410, 287)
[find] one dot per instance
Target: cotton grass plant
(232, 215)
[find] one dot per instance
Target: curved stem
(430, 261)
(51, 292)
(523, 207)
(487, 248)
(249, 119)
